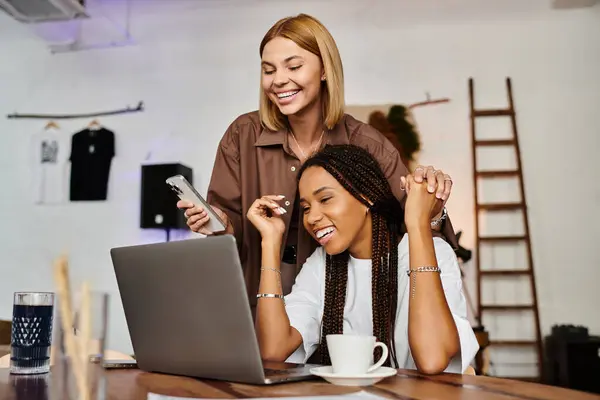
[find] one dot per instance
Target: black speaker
(572, 358)
(583, 365)
(158, 202)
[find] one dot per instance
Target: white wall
(196, 69)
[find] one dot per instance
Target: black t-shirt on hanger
(91, 156)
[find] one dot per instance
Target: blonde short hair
(311, 35)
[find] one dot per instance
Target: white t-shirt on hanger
(49, 155)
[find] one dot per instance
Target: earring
(323, 78)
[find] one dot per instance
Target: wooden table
(134, 384)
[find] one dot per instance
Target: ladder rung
(497, 112)
(493, 173)
(500, 206)
(506, 272)
(507, 307)
(513, 342)
(495, 142)
(502, 238)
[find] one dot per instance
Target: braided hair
(361, 175)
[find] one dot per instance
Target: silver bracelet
(424, 269)
(271, 269)
(420, 269)
(438, 221)
(271, 295)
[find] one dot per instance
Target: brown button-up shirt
(252, 161)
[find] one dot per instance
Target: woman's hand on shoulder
(421, 203)
(438, 181)
(265, 214)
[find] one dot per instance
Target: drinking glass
(31, 335)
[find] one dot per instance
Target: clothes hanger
(51, 125)
(94, 125)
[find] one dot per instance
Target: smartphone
(185, 191)
(119, 364)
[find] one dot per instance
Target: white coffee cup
(353, 354)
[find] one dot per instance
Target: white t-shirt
(49, 154)
(304, 305)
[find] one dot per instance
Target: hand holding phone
(186, 192)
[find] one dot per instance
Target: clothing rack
(126, 110)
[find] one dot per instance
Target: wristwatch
(438, 221)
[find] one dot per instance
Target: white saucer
(367, 379)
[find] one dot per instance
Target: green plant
(404, 131)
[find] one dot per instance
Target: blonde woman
(301, 110)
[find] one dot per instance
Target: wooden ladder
(518, 206)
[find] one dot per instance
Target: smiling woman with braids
(357, 282)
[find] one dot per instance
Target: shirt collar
(338, 135)
(270, 138)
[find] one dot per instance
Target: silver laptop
(188, 313)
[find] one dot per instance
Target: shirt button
(287, 203)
